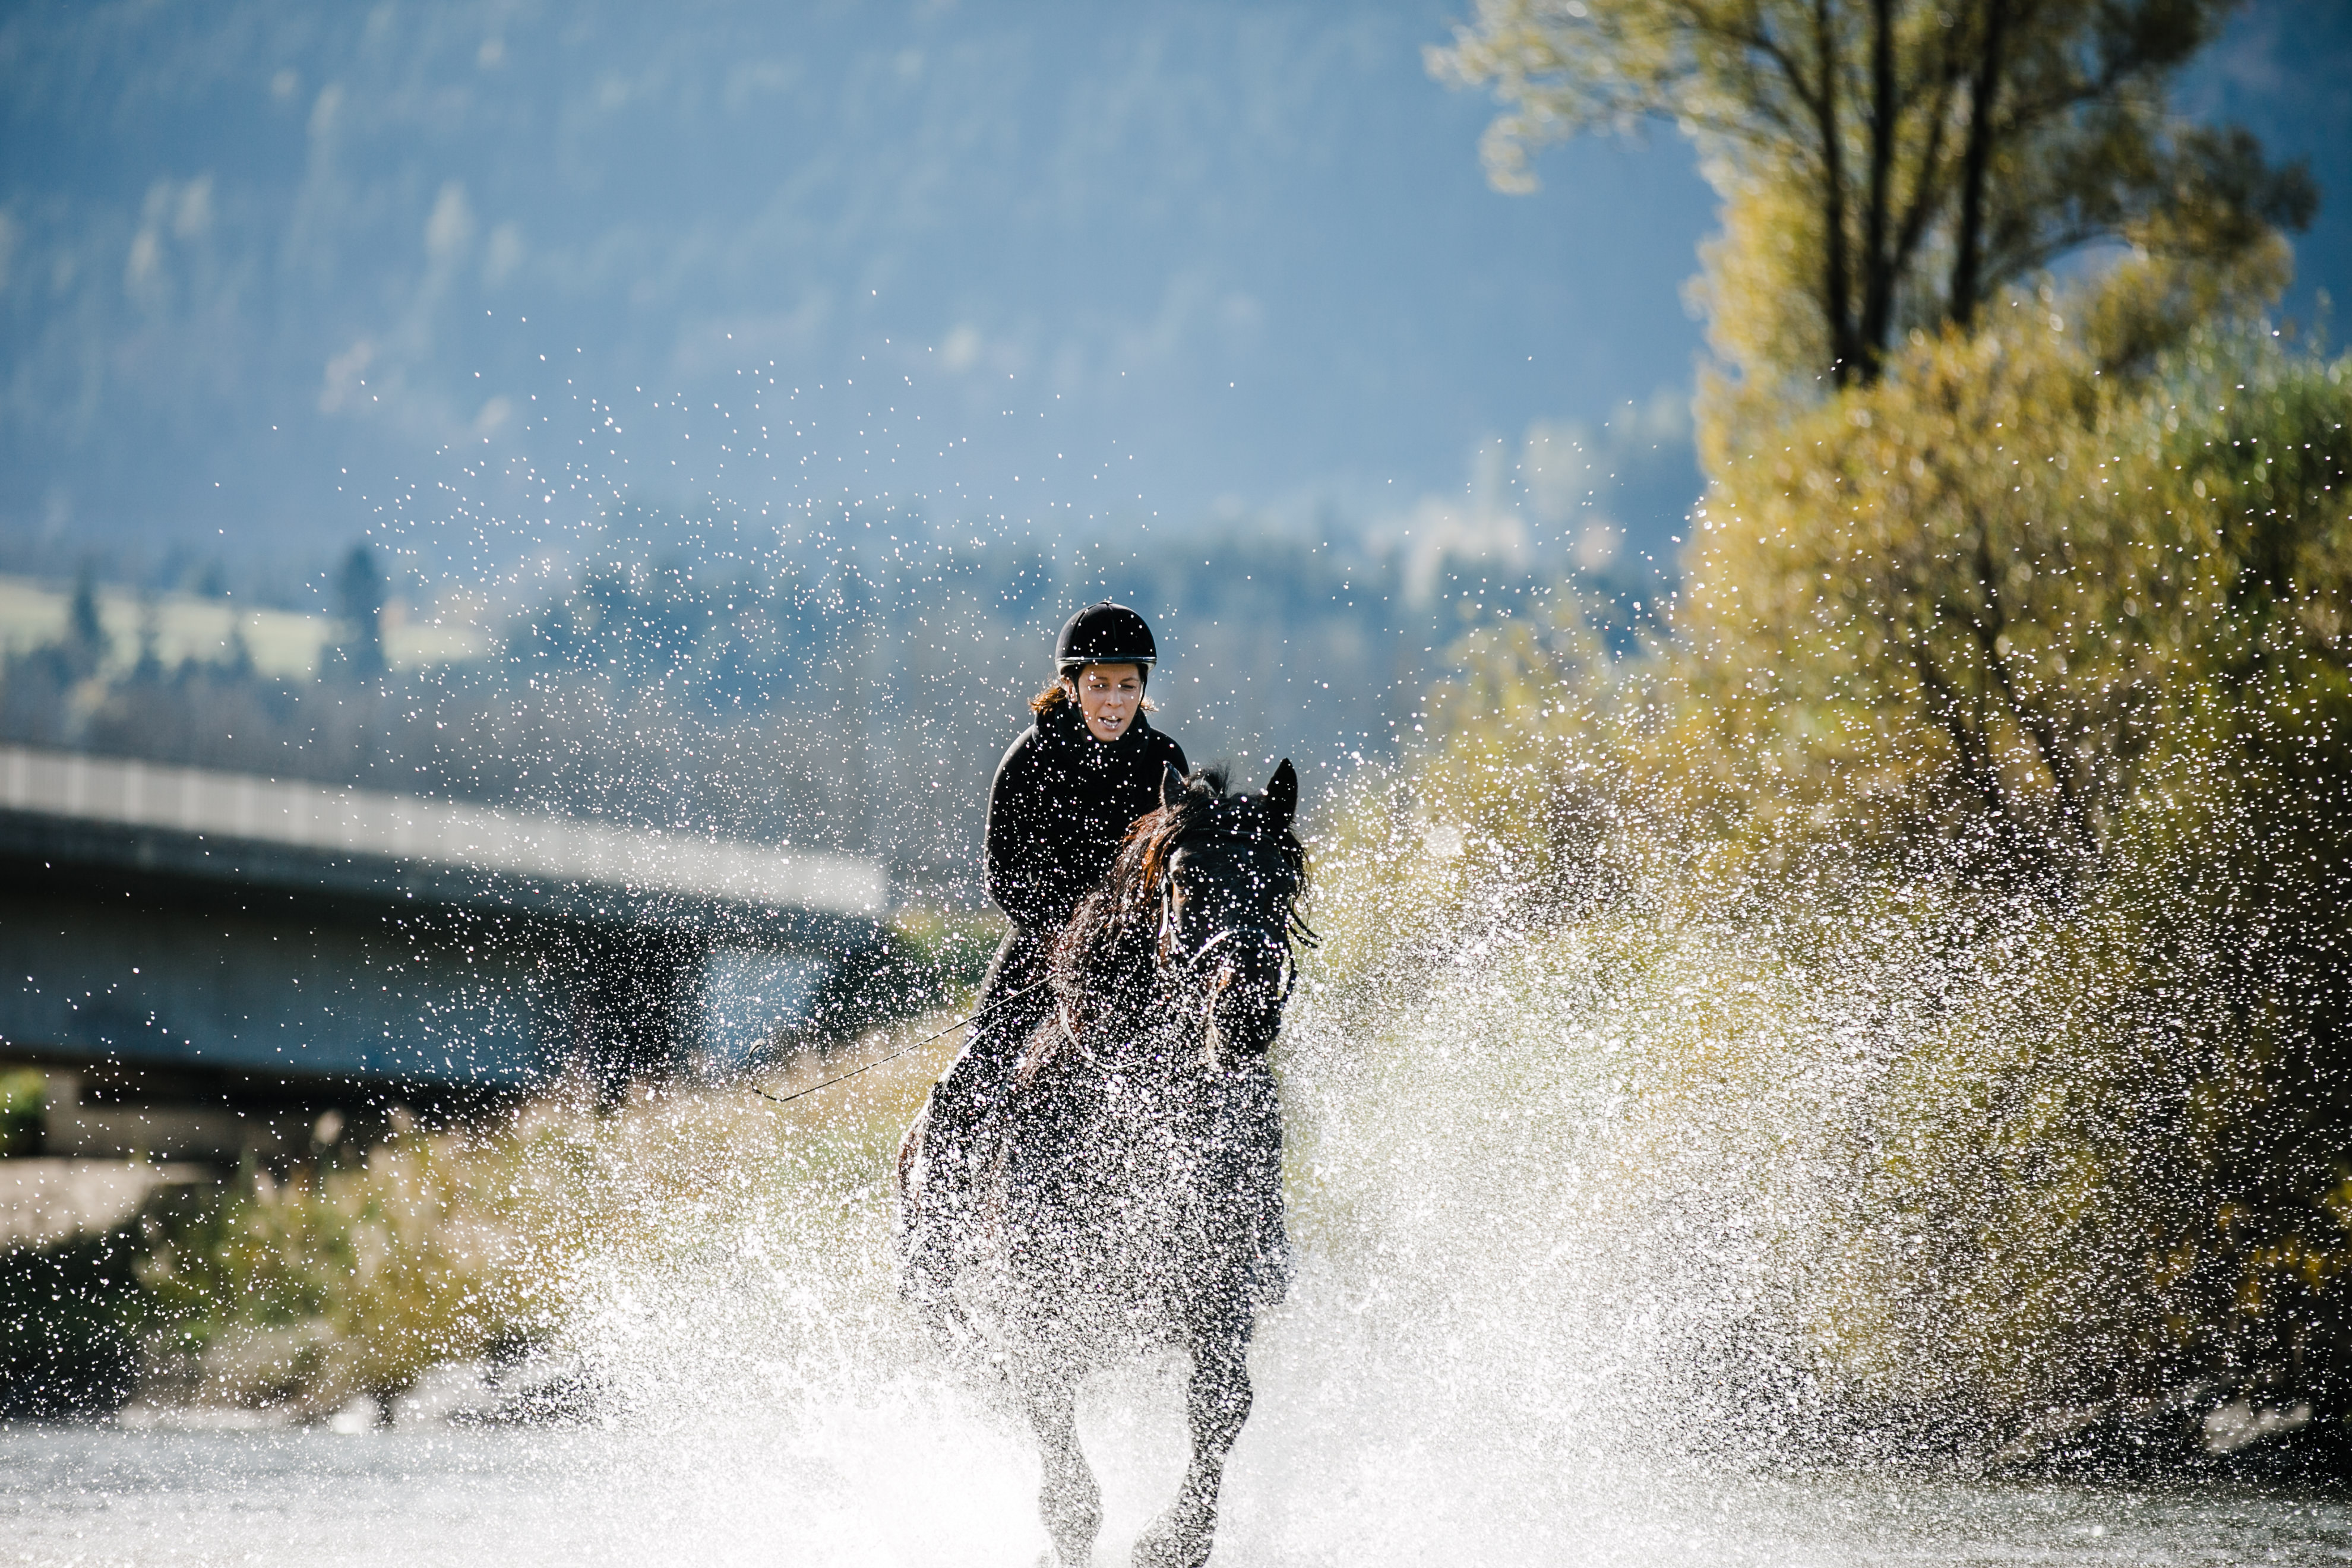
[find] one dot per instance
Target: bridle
(1277, 935)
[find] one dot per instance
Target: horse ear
(1171, 785)
(1282, 793)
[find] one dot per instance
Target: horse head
(1200, 910)
(1231, 876)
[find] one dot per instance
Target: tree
(2002, 576)
(361, 589)
(1890, 164)
(86, 644)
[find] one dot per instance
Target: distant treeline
(851, 689)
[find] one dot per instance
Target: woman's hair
(1055, 694)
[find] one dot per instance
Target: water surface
(904, 1486)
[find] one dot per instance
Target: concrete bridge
(242, 949)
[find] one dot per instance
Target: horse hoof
(1171, 1543)
(1072, 1520)
(1076, 1552)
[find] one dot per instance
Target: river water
(905, 1479)
(1533, 1324)
(94, 1495)
(1482, 1363)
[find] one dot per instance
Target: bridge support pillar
(636, 999)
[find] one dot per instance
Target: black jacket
(1061, 803)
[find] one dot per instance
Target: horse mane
(1106, 954)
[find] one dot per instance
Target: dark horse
(1129, 1193)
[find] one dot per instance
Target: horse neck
(1123, 996)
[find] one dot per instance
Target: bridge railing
(192, 919)
(74, 787)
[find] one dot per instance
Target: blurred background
(757, 361)
(525, 529)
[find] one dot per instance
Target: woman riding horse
(1127, 1192)
(1063, 799)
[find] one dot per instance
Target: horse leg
(1216, 1403)
(1067, 1498)
(925, 1248)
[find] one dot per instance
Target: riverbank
(433, 1276)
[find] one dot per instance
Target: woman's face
(1107, 695)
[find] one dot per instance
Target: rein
(1167, 922)
(902, 1050)
(1292, 927)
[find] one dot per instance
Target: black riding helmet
(1104, 634)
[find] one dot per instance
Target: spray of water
(1592, 1269)
(1642, 1199)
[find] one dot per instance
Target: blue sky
(266, 266)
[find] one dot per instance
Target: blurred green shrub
(468, 1246)
(952, 946)
(2005, 713)
(24, 1112)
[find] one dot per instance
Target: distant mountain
(464, 276)
(261, 258)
